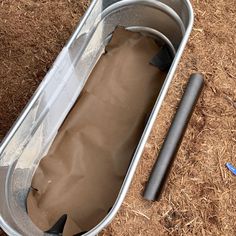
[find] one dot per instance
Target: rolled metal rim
(152, 3)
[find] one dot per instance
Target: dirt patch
(200, 196)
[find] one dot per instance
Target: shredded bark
(200, 196)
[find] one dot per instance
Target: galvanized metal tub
(32, 134)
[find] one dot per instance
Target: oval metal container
(32, 134)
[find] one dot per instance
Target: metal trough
(32, 134)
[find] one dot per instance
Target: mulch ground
(200, 196)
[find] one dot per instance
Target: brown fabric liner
(84, 169)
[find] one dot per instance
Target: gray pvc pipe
(173, 139)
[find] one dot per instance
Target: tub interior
(63, 85)
(82, 173)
